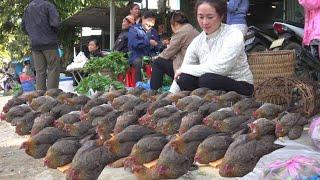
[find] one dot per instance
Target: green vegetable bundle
(115, 62)
(97, 82)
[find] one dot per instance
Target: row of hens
(128, 128)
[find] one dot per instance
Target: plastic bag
(145, 85)
(297, 167)
(80, 58)
(78, 62)
(129, 79)
(314, 132)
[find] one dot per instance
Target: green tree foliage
(11, 13)
(10, 19)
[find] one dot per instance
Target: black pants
(159, 68)
(213, 81)
(137, 67)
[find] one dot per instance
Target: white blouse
(221, 52)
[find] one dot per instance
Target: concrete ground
(16, 164)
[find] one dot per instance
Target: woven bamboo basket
(269, 64)
(296, 95)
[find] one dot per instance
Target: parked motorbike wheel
(292, 46)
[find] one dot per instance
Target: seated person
(94, 51)
(161, 29)
(139, 43)
(164, 42)
(94, 48)
(165, 39)
(171, 58)
(153, 34)
(121, 43)
(216, 58)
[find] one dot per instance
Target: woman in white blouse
(215, 58)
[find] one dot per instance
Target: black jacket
(41, 22)
(96, 54)
(121, 43)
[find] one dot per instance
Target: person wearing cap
(121, 43)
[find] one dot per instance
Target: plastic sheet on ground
(314, 132)
(301, 146)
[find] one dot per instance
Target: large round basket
(296, 95)
(269, 64)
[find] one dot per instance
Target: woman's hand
(153, 42)
(177, 74)
(153, 58)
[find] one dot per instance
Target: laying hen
(38, 145)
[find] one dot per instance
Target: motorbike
(257, 40)
(11, 72)
(7, 80)
(290, 37)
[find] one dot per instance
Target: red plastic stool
(130, 80)
(130, 75)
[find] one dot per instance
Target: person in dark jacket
(153, 34)
(121, 43)
(41, 22)
(94, 48)
(139, 42)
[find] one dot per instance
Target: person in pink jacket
(312, 20)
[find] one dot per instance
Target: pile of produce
(97, 82)
(115, 64)
(129, 128)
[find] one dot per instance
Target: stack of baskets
(269, 64)
(275, 82)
